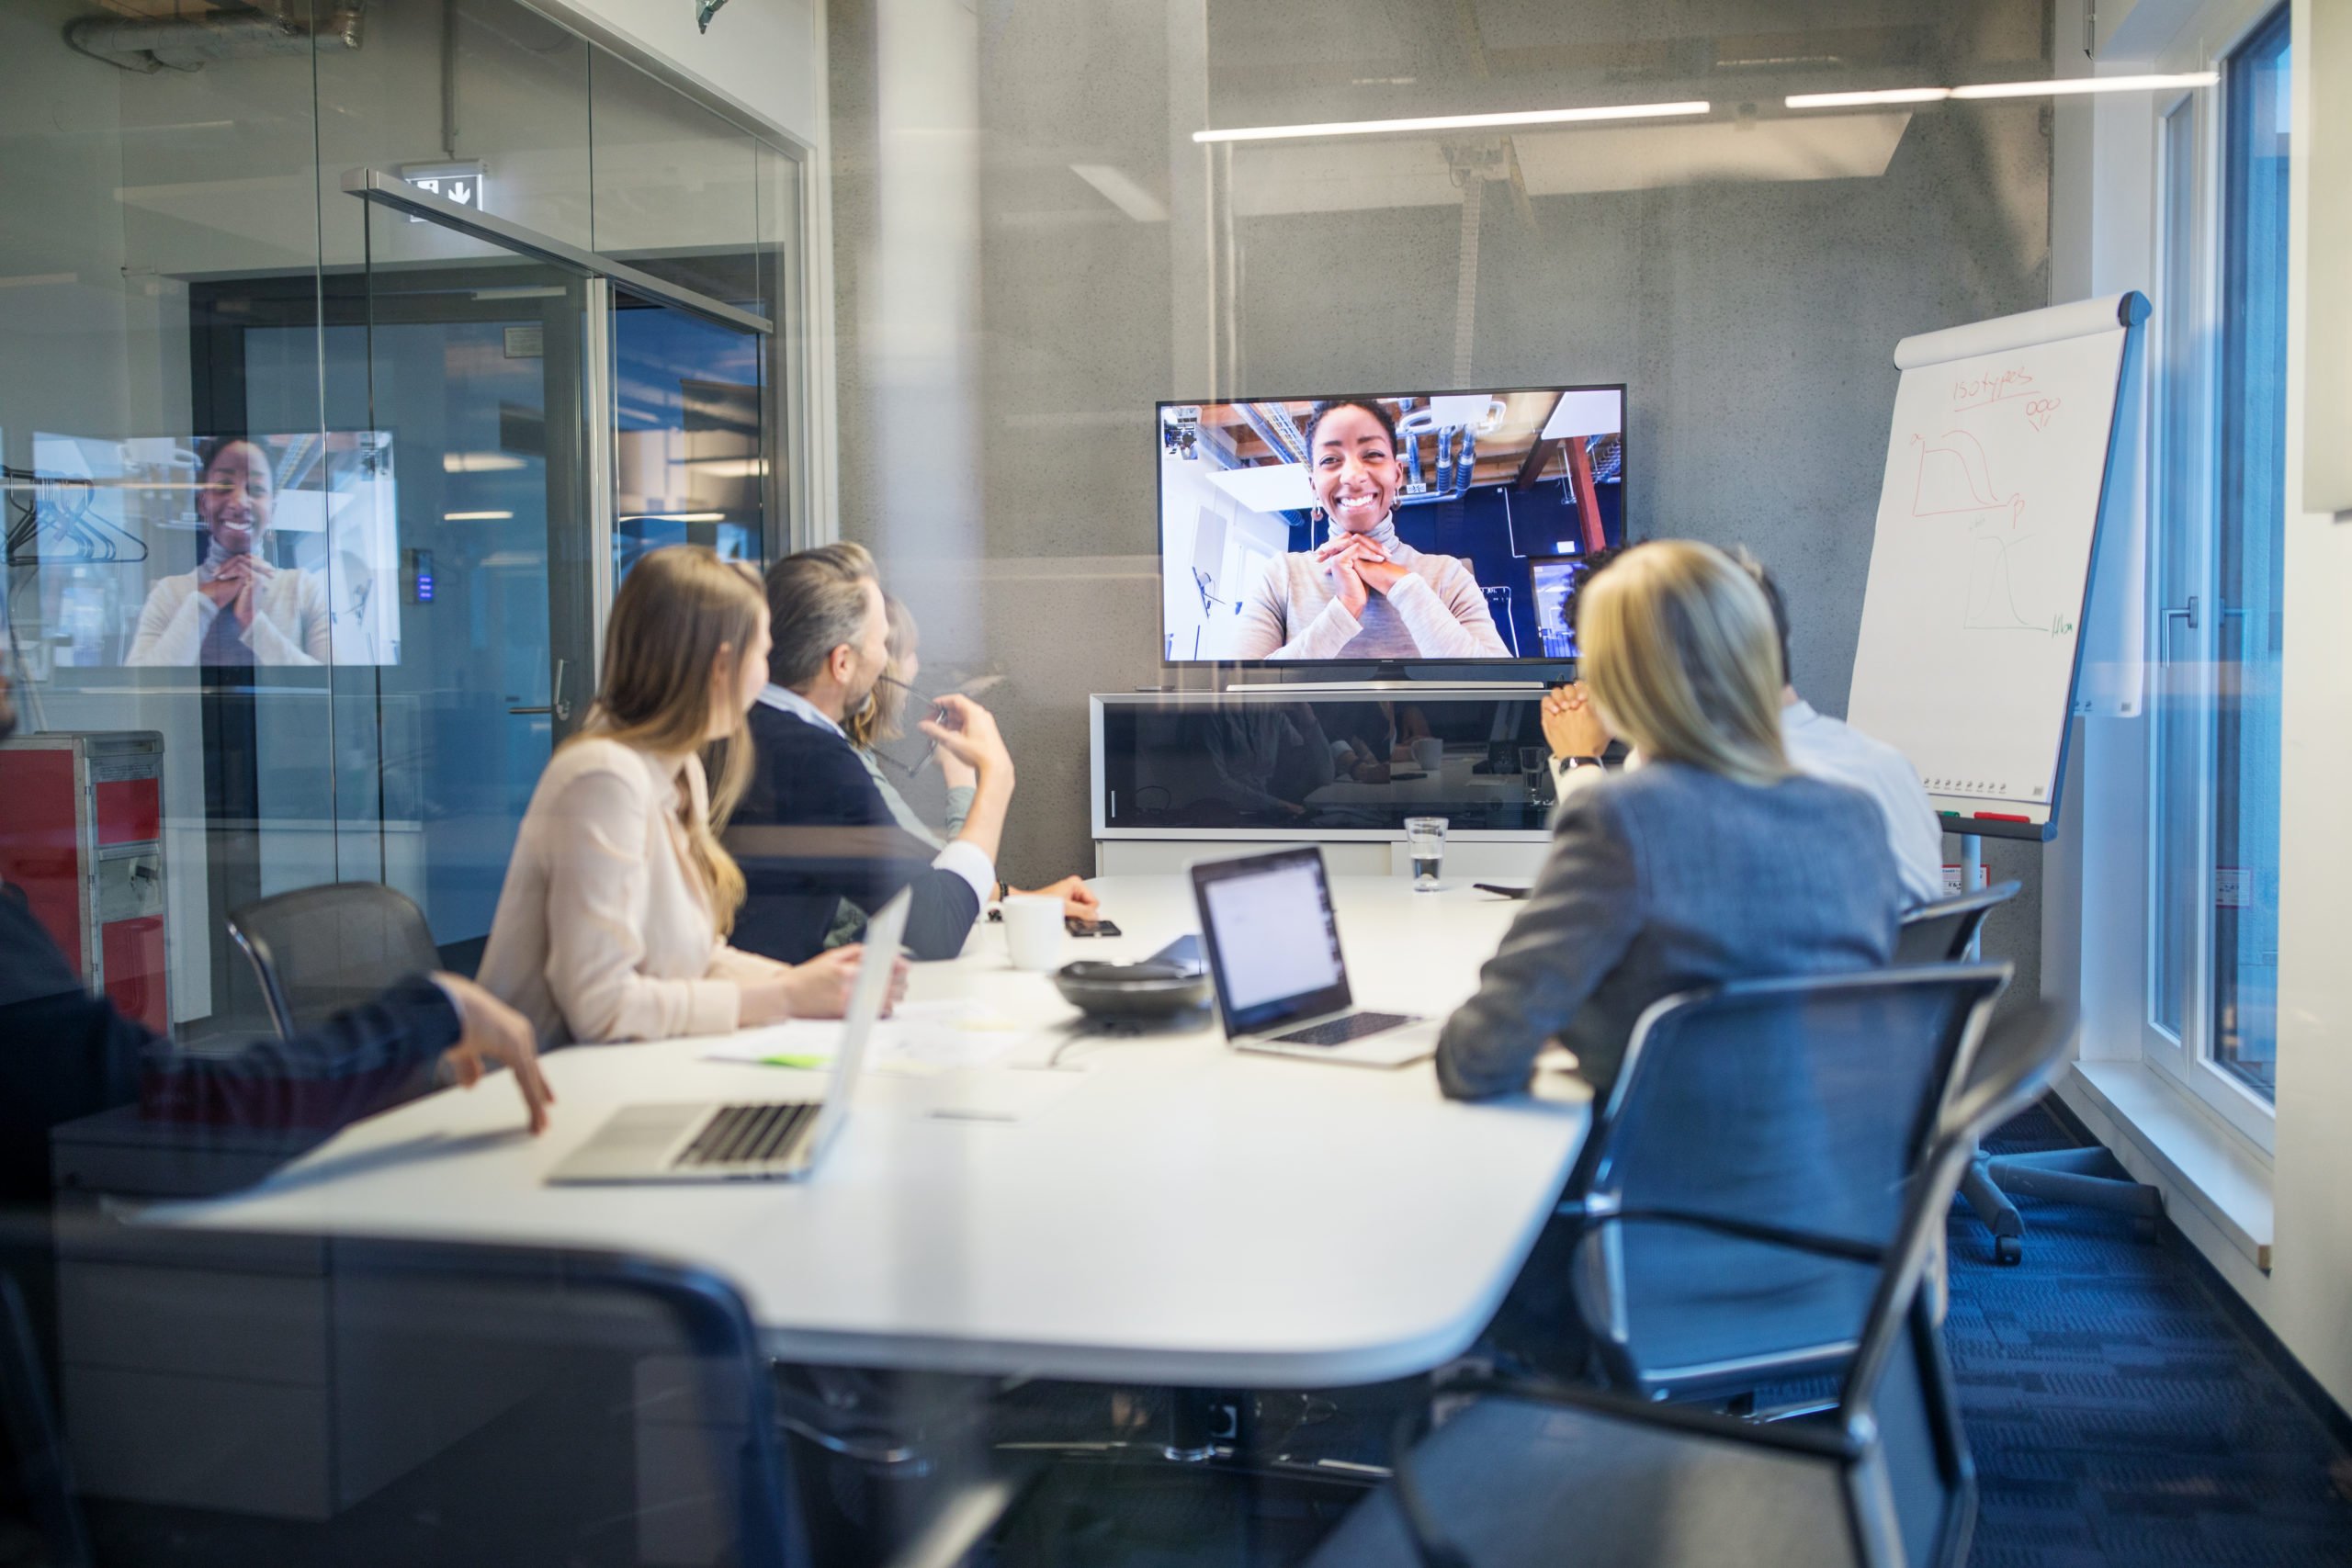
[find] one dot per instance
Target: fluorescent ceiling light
(1455, 122)
(1114, 187)
(675, 517)
(479, 462)
(476, 516)
(1857, 100)
(2061, 86)
(2086, 85)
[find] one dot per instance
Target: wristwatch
(1569, 764)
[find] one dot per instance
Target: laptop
(1273, 945)
(756, 1141)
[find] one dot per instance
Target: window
(2218, 530)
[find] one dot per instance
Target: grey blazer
(1660, 879)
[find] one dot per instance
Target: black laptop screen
(1274, 944)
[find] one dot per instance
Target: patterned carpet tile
(2118, 1417)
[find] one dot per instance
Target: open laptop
(758, 1141)
(1273, 945)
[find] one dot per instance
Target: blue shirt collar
(785, 700)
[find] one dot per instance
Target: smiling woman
(235, 607)
(1364, 593)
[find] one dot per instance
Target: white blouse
(603, 932)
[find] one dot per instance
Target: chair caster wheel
(2008, 1250)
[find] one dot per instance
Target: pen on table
(807, 1064)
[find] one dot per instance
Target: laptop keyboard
(745, 1134)
(1339, 1031)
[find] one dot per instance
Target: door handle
(558, 704)
(2189, 615)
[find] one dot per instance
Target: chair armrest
(1752, 1230)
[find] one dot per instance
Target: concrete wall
(1747, 277)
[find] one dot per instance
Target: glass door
(474, 373)
(688, 401)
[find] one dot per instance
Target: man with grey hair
(812, 831)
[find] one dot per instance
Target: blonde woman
(1715, 860)
(614, 918)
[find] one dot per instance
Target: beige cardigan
(603, 930)
(289, 623)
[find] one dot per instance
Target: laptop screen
(1274, 944)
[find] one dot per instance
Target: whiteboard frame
(2132, 311)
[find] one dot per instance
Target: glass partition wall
(449, 428)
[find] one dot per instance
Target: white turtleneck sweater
(1435, 612)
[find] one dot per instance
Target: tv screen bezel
(1159, 517)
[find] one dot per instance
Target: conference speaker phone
(1273, 944)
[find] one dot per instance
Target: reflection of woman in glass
(1364, 593)
(234, 608)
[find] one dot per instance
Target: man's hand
(969, 735)
(958, 774)
(1572, 724)
(1078, 901)
(494, 1035)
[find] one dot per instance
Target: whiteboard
(1996, 466)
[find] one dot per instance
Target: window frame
(2191, 370)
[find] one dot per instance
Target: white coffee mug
(1428, 751)
(1033, 932)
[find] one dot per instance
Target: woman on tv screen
(1364, 593)
(235, 607)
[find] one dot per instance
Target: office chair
(1947, 930)
(1805, 1102)
(1550, 1472)
(317, 951)
(535, 1407)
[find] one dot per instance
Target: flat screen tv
(1374, 529)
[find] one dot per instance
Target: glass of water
(1535, 761)
(1425, 837)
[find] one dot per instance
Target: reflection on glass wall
(298, 486)
(1039, 256)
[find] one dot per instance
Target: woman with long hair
(235, 607)
(1715, 860)
(1364, 593)
(614, 918)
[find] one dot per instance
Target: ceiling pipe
(192, 43)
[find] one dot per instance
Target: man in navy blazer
(812, 831)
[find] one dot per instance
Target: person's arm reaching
(1576, 925)
(968, 733)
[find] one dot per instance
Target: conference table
(1015, 1193)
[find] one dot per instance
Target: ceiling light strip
(1456, 122)
(2062, 87)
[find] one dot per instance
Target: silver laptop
(1272, 943)
(763, 1141)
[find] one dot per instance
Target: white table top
(1171, 1211)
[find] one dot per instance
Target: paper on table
(918, 1038)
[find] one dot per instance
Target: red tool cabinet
(81, 835)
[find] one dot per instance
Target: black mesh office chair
(1803, 1103)
(317, 951)
(1947, 931)
(1545, 1473)
(442, 1402)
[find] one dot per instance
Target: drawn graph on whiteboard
(2004, 592)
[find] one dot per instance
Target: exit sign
(462, 184)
